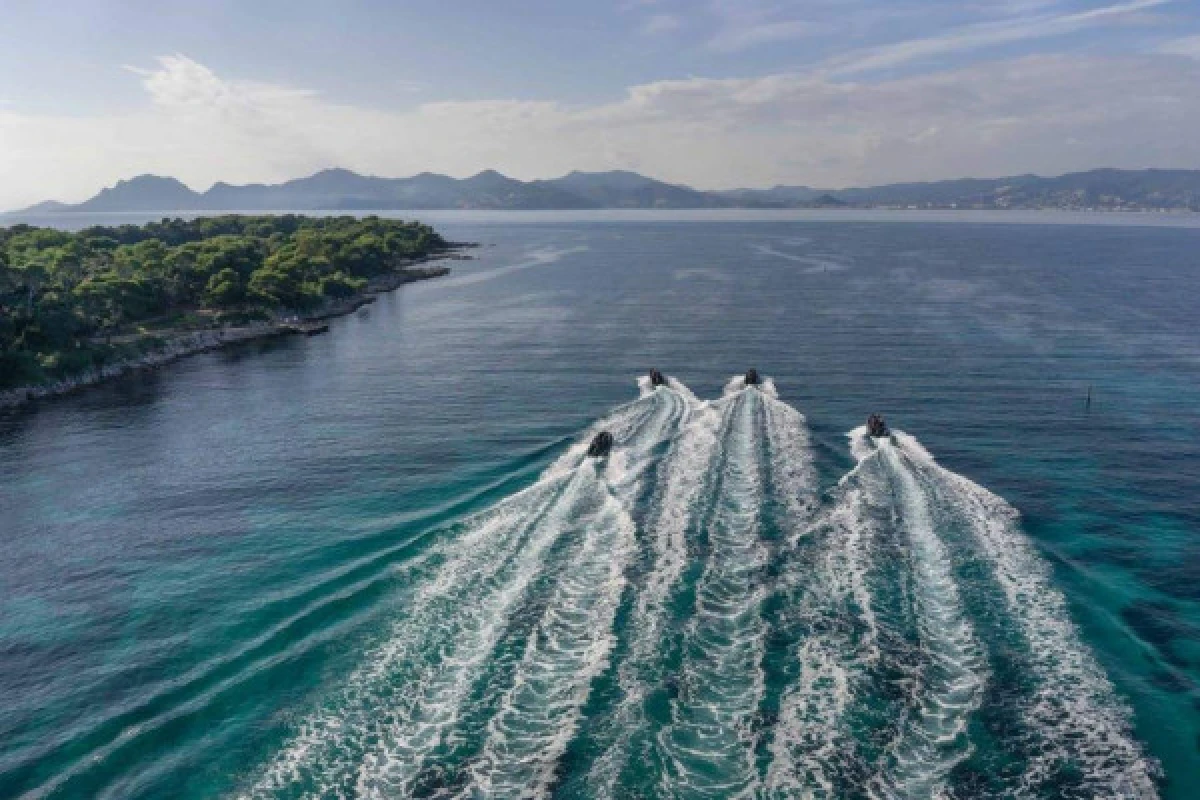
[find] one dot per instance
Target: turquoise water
(375, 563)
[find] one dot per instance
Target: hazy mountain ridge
(340, 189)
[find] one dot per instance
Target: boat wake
(933, 736)
(404, 706)
(688, 615)
(1076, 731)
(707, 748)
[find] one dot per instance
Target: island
(79, 307)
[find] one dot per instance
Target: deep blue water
(374, 563)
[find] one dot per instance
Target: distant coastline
(340, 190)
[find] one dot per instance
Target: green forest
(71, 300)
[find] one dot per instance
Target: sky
(710, 93)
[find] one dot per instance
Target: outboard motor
(752, 378)
(657, 378)
(876, 427)
(601, 444)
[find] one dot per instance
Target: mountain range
(340, 189)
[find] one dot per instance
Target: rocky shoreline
(193, 342)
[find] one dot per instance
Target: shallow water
(374, 563)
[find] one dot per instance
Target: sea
(378, 563)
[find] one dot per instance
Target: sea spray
(827, 613)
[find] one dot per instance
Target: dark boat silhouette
(657, 378)
(752, 378)
(601, 445)
(876, 427)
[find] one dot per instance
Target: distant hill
(143, 193)
(621, 189)
(776, 197)
(340, 189)
(44, 207)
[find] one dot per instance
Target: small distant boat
(601, 445)
(752, 378)
(657, 378)
(876, 427)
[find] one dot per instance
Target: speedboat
(876, 427)
(601, 445)
(657, 378)
(752, 378)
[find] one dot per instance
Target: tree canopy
(60, 292)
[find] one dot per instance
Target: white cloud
(975, 37)
(1046, 114)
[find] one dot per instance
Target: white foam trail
(734, 385)
(708, 748)
(816, 264)
(645, 387)
(441, 706)
(934, 739)
(737, 383)
(683, 391)
(329, 747)
(378, 731)
(860, 447)
(1075, 712)
(620, 422)
(534, 258)
(437, 701)
(686, 464)
(686, 467)
(841, 641)
(834, 613)
(804, 738)
(571, 644)
(808, 735)
(637, 445)
(567, 650)
(791, 459)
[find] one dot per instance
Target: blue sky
(713, 93)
